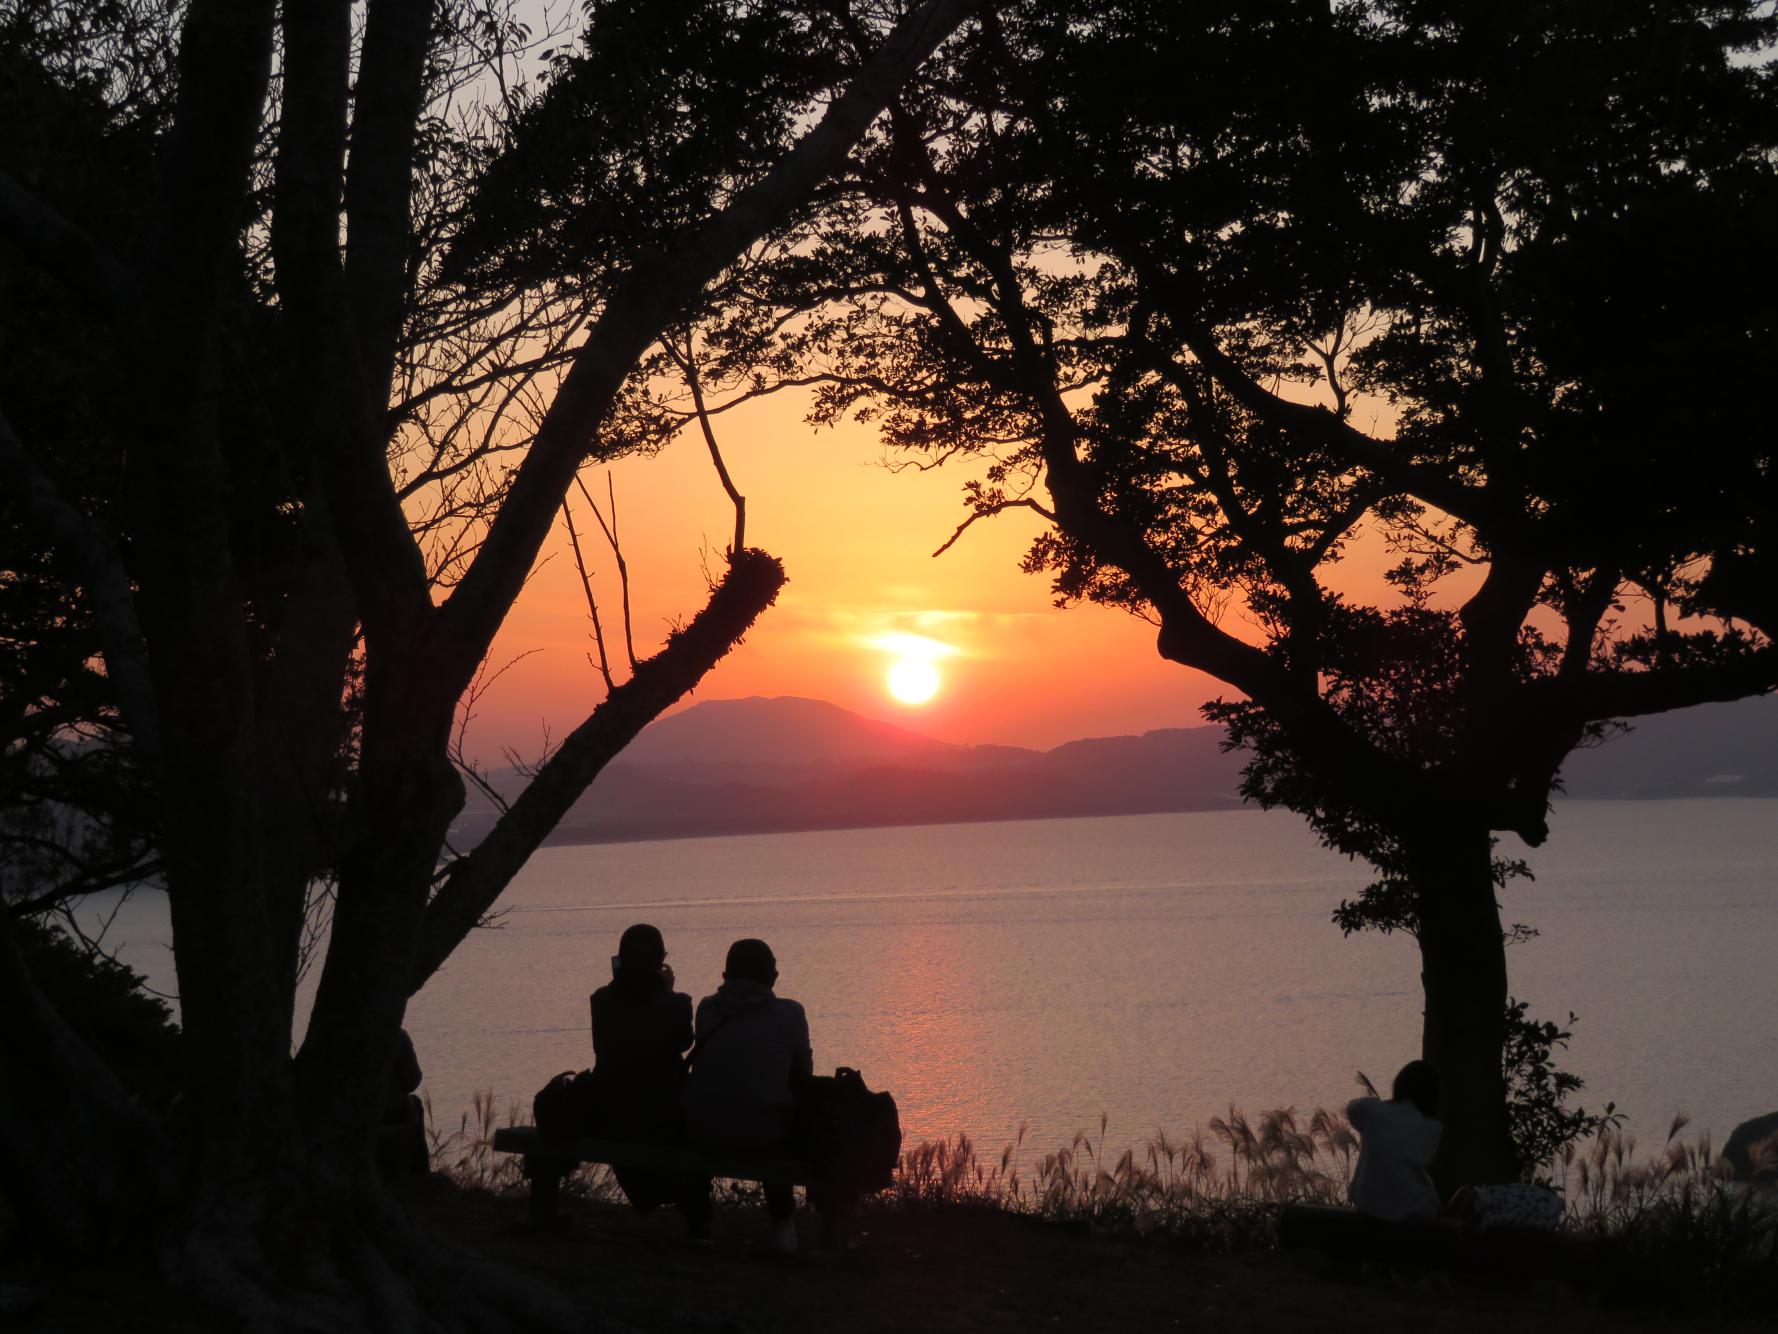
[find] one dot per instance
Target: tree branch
(1599, 696)
(688, 366)
(645, 303)
(592, 603)
(387, 573)
(477, 880)
(617, 555)
(999, 507)
(379, 180)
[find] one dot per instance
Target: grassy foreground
(1180, 1236)
(963, 1268)
(917, 1269)
(1181, 1233)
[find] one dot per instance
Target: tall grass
(1686, 1232)
(467, 1156)
(1218, 1188)
(1683, 1232)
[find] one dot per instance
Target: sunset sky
(856, 540)
(857, 543)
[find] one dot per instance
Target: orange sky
(856, 541)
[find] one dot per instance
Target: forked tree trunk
(273, 1214)
(1463, 974)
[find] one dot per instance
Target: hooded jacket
(1396, 1145)
(638, 1034)
(753, 1050)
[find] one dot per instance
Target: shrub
(1539, 1121)
(108, 1005)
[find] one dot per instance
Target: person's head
(1417, 1082)
(750, 960)
(641, 951)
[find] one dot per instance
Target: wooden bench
(1438, 1243)
(548, 1161)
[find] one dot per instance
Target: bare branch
(688, 366)
(998, 508)
(457, 748)
(87, 881)
(617, 554)
(655, 294)
(477, 879)
(586, 583)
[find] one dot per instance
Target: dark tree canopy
(1241, 286)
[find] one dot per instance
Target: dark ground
(961, 1269)
(911, 1271)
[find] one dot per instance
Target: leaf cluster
(1540, 1122)
(642, 130)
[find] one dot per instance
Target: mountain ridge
(782, 764)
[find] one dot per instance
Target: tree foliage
(1478, 285)
(108, 1005)
(1540, 1121)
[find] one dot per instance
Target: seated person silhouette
(640, 1028)
(1397, 1141)
(752, 1052)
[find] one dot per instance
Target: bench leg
(546, 1185)
(835, 1209)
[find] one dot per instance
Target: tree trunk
(1463, 973)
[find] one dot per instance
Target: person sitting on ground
(1397, 1141)
(752, 1053)
(641, 1026)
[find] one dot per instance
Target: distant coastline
(713, 829)
(594, 837)
(777, 766)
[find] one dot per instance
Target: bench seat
(547, 1161)
(682, 1159)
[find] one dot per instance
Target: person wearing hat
(752, 1051)
(641, 1027)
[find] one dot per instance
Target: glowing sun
(913, 676)
(913, 680)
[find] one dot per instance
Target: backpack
(566, 1107)
(852, 1135)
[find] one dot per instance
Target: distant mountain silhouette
(782, 731)
(775, 765)
(1714, 750)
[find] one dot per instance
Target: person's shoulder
(791, 1013)
(1361, 1108)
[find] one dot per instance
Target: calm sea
(1150, 970)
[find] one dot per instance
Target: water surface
(1150, 970)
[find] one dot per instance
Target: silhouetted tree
(1242, 285)
(278, 491)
